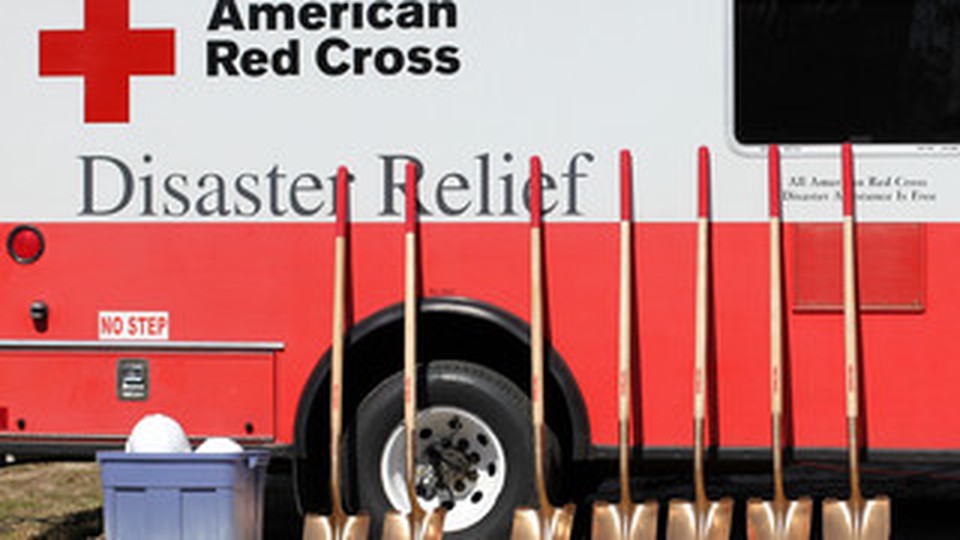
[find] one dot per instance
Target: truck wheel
(474, 452)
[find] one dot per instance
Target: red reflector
(3, 418)
(25, 244)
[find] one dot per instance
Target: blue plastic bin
(183, 496)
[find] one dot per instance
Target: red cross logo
(106, 53)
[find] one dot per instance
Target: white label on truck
(134, 325)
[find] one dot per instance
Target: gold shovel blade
(324, 528)
(397, 526)
(608, 522)
(432, 526)
(791, 521)
(846, 520)
(713, 522)
(528, 524)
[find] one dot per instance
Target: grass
(50, 501)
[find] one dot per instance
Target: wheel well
(448, 329)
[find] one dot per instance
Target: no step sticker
(134, 325)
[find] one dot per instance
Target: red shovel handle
(703, 169)
(536, 181)
(848, 197)
(342, 176)
(626, 185)
(773, 168)
(410, 189)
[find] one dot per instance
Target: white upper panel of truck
(233, 110)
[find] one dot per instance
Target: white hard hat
(219, 445)
(157, 433)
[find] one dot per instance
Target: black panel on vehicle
(809, 71)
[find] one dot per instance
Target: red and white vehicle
(167, 206)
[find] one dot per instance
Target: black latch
(40, 313)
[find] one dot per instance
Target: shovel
(338, 525)
(546, 522)
(701, 519)
(417, 525)
(626, 520)
(856, 518)
(780, 519)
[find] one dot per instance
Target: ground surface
(54, 501)
(50, 501)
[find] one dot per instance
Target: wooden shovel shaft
(624, 373)
(699, 481)
(776, 292)
(852, 377)
(624, 387)
(776, 324)
(336, 372)
(850, 318)
(702, 284)
(700, 362)
(701, 314)
(537, 368)
(776, 359)
(536, 334)
(336, 361)
(851, 322)
(410, 368)
(410, 340)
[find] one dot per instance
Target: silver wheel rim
(456, 432)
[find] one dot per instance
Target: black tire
(475, 389)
